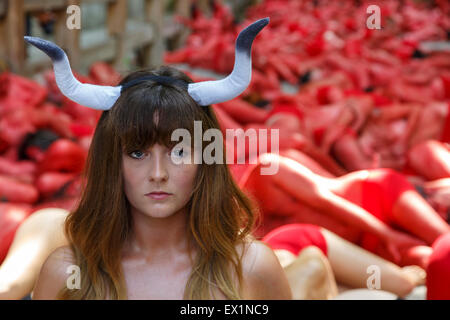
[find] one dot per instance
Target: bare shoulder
(54, 274)
(263, 276)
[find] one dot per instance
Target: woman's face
(157, 170)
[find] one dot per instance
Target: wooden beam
(3, 8)
(204, 7)
(67, 39)
(117, 22)
(15, 30)
(154, 14)
(72, 41)
(117, 16)
(183, 9)
(3, 48)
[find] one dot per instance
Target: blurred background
(364, 97)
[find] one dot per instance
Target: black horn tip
(51, 49)
(246, 36)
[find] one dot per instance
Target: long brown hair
(221, 216)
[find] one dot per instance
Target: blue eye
(179, 152)
(137, 151)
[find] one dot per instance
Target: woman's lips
(158, 195)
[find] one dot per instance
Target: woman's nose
(158, 170)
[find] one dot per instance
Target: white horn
(209, 92)
(89, 95)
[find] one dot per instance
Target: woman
(40, 234)
(150, 223)
(316, 260)
(376, 209)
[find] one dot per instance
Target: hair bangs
(151, 114)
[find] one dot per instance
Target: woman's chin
(159, 211)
